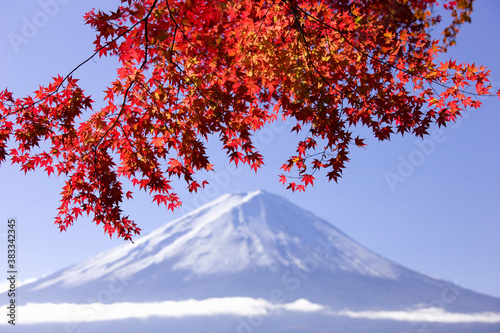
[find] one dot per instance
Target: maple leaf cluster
(190, 69)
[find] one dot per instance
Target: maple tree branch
(154, 100)
(303, 34)
(262, 21)
(352, 68)
(122, 109)
(80, 65)
(171, 55)
(146, 39)
(311, 63)
(178, 67)
(435, 81)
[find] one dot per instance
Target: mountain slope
(255, 245)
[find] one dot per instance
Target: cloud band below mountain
(38, 313)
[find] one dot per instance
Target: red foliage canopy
(194, 68)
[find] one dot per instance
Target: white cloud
(302, 305)
(434, 315)
(233, 306)
(238, 306)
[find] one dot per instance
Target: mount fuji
(257, 256)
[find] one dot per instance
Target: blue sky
(441, 217)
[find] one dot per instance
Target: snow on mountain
(251, 245)
(234, 233)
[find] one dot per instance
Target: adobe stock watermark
(425, 148)
(31, 25)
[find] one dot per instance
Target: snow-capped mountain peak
(255, 246)
(234, 233)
